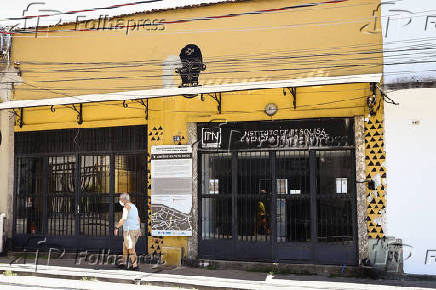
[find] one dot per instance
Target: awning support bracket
(79, 112)
(293, 92)
(217, 97)
(19, 116)
(74, 108)
(142, 103)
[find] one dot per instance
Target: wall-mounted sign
(309, 133)
(171, 190)
(341, 185)
(211, 137)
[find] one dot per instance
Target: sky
(409, 25)
(406, 24)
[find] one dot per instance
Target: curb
(175, 280)
(71, 277)
(139, 281)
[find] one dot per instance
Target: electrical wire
(309, 107)
(272, 10)
(81, 11)
(259, 65)
(239, 57)
(66, 95)
(264, 62)
(263, 11)
(231, 61)
(366, 19)
(253, 69)
(299, 108)
(267, 61)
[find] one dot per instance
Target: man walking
(131, 230)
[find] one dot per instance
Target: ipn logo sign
(211, 137)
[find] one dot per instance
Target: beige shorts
(130, 238)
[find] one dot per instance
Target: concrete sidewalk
(43, 283)
(199, 278)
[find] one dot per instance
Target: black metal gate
(301, 217)
(67, 184)
(276, 204)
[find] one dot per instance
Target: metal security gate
(302, 217)
(68, 194)
(277, 204)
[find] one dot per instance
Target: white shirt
(125, 213)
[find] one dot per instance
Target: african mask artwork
(192, 65)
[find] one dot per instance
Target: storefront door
(68, 196)
(253, 205)
(280, 204)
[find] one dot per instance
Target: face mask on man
(121, 203)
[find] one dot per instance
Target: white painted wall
(6, 155)
(410, 139)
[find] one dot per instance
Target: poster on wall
(171, 190)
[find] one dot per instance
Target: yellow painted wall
(325, 40)
(175, 112)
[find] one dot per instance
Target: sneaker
(134, 268)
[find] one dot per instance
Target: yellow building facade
(328, 57)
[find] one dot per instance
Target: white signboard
(171, 190)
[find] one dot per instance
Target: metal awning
(175, 91)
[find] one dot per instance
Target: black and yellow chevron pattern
(155, 137)
(375, 157)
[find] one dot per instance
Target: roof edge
(145, 12)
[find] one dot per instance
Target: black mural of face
(192, 65)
